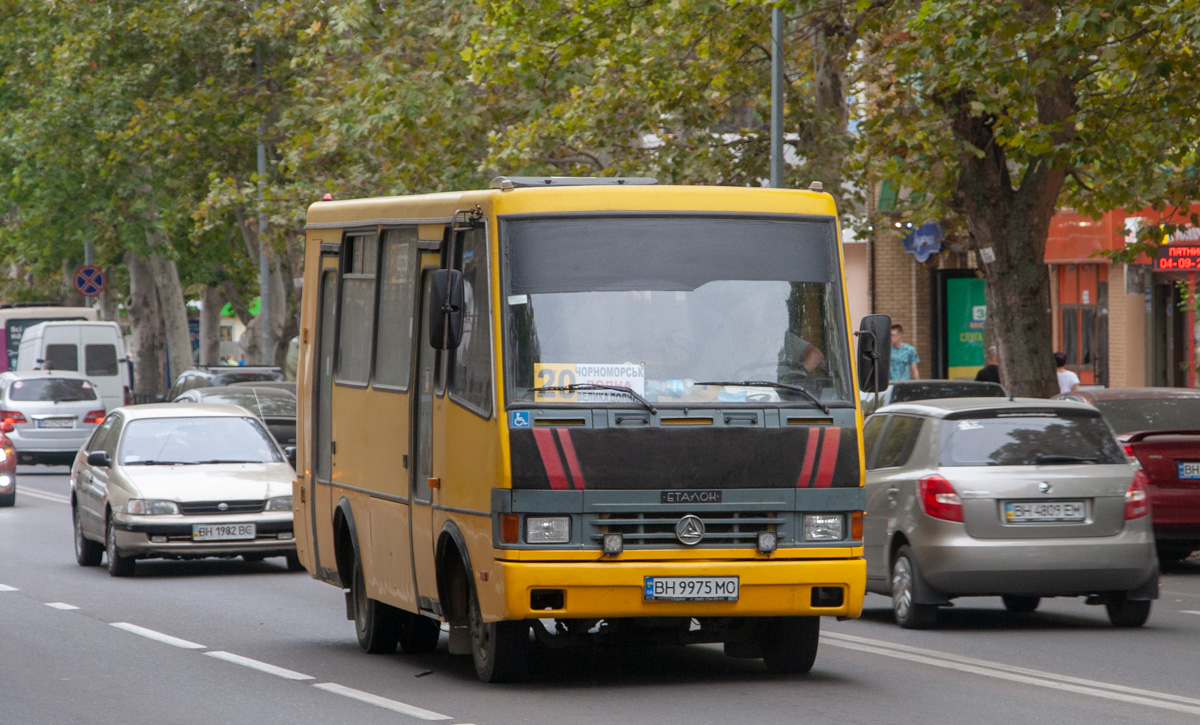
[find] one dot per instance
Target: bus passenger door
(423, 552)
(322, 453)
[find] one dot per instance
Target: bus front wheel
(789, 644)
(499, 649)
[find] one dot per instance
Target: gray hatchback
(1018, 498)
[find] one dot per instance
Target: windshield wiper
(573, 387)
(154, 463)
(1055, 458)
(765, 384)
(225, 460)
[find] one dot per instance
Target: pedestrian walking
(990, 372)
(904, 357)
(1068, 381)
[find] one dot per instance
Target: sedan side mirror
(874, 353)
(99, 459)
(290, 452)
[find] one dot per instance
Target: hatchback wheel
(1124, 612)
(117, 565)
(909, 614)
(87, 552)
(9, 498)
(1021, 605)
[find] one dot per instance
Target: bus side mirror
(446, 310)
(874, 353)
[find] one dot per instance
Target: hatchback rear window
(52, 389)
(1028, 438)
(1127, 416)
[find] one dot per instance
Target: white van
(95, 349)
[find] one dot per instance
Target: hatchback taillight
(12, 416)
(939, 499)
(94, 416)
(1137, 498)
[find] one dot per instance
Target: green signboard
(966, 312)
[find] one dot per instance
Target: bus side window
(397, 293)
(356, 320)
(471, 368)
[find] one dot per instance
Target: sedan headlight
(824, 527)
(547, 529)
(151, 507)
(279, 503)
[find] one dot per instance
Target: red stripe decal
(550, 459)
(833, 436)
(810, 457)
(564, 437)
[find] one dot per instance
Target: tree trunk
(146, 323)
(172, 305)
(210, 326)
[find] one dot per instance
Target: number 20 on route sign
(89, 280)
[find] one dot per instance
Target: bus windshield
(661, 304)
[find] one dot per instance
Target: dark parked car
(1160, 427)
(273, 406)
(218, 375)
(904, 391)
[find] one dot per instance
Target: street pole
(264, 264)
(777, 97)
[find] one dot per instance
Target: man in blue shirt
(904, 357)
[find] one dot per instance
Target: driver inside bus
(798, 358)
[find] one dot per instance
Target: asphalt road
(219, 641)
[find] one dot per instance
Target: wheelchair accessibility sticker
(519, 419)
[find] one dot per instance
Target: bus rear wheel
(376, 624)
(789, 644)
(499, 649)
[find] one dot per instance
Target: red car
(8, 467)
(1161, 428)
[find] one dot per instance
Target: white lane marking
(1092, 688)
(1189, 611)
(61, 605)
(56, 498)
(260, 666)
(157, 636)
(6, 588)
(393, 705)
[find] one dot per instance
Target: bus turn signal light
(856, 521)
(510, 529)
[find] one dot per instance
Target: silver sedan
(1022, 499)
(181, 482)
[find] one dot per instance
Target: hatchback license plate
(691, 588)
(1021, 512)
(223, 532)
(56, 423)
(1189, 469)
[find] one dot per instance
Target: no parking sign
(89, 280)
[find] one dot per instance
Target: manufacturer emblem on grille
(222, 506)
(689, 530)
(1045, 487)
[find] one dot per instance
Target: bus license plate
(691, 589)
(1018, 512)
(223, 532)
(1189, 469)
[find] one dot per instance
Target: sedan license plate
(691, 588)
(56, 423)
(1020, 512)
(223, 532)
(1189, 469)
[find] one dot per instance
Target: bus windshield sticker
(631, 375)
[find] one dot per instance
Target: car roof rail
(529, 182)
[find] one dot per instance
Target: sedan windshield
(1028, 439)
(170, 441)
(1127, 416)
(661, 305)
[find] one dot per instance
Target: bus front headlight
(547, 529)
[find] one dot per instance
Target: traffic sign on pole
(89, 280)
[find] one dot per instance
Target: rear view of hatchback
(1020, 499)
(52, 414)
